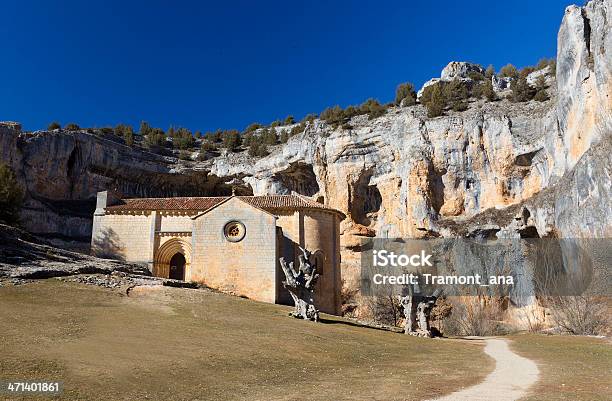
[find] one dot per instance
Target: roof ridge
(202, 203)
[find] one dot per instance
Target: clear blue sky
(207, 65)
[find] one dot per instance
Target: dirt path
(512, 376)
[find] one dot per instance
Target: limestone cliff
(401, 174)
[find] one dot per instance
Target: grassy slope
(571, 368)
(177, 344)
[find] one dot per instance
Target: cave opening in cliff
(529, 232)
(365, 199)
(299, 178)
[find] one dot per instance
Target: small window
(234, 231)
(319, 259)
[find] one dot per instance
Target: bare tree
(565, 281)
(301, 285)
(383, 307)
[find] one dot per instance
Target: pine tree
(437, 102)
(406, 93)
(284, 136)
(521, 91)
(541, 94)
(269, 136)
(129, 138)
(54, 125)
(488, 92)
(144, 129)
(231, 140)
(258, 149)
(509, 71)
(456, 94)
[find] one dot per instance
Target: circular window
(234, 231)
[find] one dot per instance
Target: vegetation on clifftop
(256, 138)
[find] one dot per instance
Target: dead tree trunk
(417, 310)
(301, 285)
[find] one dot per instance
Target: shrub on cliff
(11, 196)
(122, 129)
(184, 155)
(546, 62)
(521, 90)
(216, 136)
(72, 127)
(258, 149)
(485, 90)
(476, 76)
(434, 100)
(284, 136)
(183, 139)
(509, 71)
(289, 120)
(455, 94)
(297, 129)
(126, 132)
(333, 115)
(231, 140)
(269, 136)
(53, 125)
(129, 138)
(208, 146)
(155, 137)
(540, 87)
(309, 117)
(252, 127)
(248, 138)
(406, 93)
(372, 108)
(144, 129)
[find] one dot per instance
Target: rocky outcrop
(62, 171)
(460, 70)
(455, 70)
(24, 257)
(399, 175)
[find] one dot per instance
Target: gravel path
(512, 376)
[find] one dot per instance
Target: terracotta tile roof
(269, 203)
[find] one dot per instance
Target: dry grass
(571, 367)
(179, 344)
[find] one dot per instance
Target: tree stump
(301, 285)
(417, 310)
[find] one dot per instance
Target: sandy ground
(510, 380)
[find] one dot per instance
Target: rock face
(400, 175)
(460, 70)
(61, 172)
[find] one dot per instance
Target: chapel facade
(230, 243)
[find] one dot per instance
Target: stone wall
(321, 234)
(124, 236)
(247, 267)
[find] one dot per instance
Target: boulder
(460, 70)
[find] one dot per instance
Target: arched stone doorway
(165, 258)
(177, 267)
